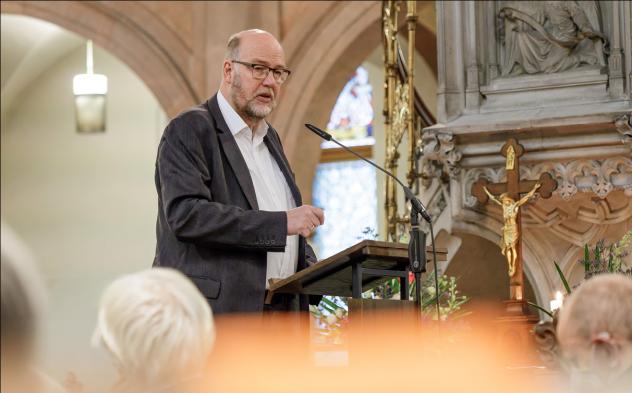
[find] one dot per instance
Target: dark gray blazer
(209, 225)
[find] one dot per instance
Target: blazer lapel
(233, 154)
(275, 150)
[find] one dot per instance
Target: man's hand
(304, 219)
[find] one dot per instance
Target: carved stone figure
(623, 124)
(510, 228)
(440, 156)
(550, 36)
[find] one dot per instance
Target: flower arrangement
(603, 258)
(331, 315)
(450, 298)
(607, 258)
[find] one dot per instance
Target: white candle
(557, 302)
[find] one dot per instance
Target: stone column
(450, 62)
(472, 94)
(615, 61)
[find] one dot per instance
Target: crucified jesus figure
(510, 228)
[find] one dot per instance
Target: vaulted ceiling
(29, 47)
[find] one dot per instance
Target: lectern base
(362, 309)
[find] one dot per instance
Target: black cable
(407, 191)
(434, 251)
(436, 274)
(418, 291)
(415, 204)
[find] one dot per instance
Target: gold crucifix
(508, 196)
(511, 232)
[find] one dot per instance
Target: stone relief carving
(440, 157)
(600, 177)
(471, 175)
(624, 125)
(435, 208)
(599, 216)
(550, 36)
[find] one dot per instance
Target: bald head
(595, 328)
(249, 38)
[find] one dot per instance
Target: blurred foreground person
(388, 351)
(595, 335)
(158, 328)
(22, 298)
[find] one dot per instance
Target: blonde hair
(156, 324)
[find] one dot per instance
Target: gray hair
(22, 294)
(232, 48)
(156, 324)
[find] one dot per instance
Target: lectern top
(333, 276)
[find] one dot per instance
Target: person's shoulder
(194, 116)
(192, 122)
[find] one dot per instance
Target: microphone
(417, 205)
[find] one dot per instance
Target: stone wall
(556, 76)
(176, 48)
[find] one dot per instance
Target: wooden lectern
(354, 271)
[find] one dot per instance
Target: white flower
(331, 319)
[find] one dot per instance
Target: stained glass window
(352, 116)
(347, 190)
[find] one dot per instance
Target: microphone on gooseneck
(407, 191)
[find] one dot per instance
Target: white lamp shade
(86, 84)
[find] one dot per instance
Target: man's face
(256, 98)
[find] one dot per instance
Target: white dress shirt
(271, 188)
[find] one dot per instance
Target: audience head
(157, 326)
(22, 298)
(19, 315)
(595, 331)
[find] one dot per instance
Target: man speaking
(230, 214)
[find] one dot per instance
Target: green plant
(566, 287)
(602, 259)
(331, 315)
(606, 258)
(450, 298)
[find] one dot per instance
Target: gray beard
(258, 113)
(250, 109)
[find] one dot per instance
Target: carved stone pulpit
(569, 108)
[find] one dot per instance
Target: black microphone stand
(416, 253)
(417, 242)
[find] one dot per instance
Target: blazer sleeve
(189, 208)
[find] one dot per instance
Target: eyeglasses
(260, 71)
